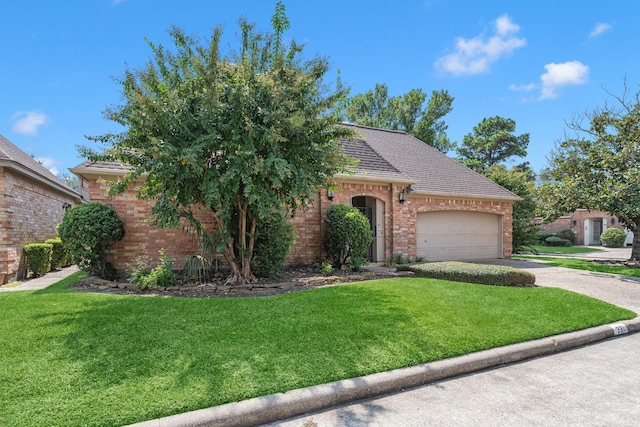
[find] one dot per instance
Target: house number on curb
(619, 329)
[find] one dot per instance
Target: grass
(71, 359)
(581, 264)
(564, 250)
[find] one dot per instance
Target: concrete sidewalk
(618, 290)
(40, 282)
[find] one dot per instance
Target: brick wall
(29, 213)
(576, 222)
(400, 218)
(142, 239)
(399, 222)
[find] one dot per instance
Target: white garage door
(452, 235)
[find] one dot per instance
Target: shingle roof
(432, 172)
(11, 153)
(394, 156)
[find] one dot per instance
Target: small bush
(88, 231)
(38, 258)
(273, 242)
(613, 238)
(196, 268)
(542, 237)
(557, 241)
(161, 276)
(497, 275)
(568, 234)
(59, 254)
(347, 236)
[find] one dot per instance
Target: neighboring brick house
(32, 204)
(419, 202)
(588, 225)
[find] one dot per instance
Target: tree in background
(241, 135)
(520, 181)
(71, 181)
(376, 108)
(492, 142)
(599, 167)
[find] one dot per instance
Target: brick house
(589, 225)
(32, 204)
(419, 202)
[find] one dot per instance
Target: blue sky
(538, 63)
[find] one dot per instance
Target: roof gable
(22, 162)
(430, 171)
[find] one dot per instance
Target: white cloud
(523, 88)
(28, 122)
(569, 73)
(475, 56)
(599, 29)
(49, 163)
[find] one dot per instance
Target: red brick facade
(399, 222)
(140, 239)
(399, 219)
(576, 221)
(29, 213)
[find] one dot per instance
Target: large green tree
(486, 150)
(520, 181)
(492, 142)
(598, 166)
(406, 112)
(244, 134)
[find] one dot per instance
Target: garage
(457, 235)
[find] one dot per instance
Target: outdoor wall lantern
(404, 192)
(574, 222)
(613, 221)
(330, 194)
(66, 206)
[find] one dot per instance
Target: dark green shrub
(88, 231)
(568, 234)
(347, 236)
(474, 273)
(557, 241)
(274, 240)
(542, 237)
(613, 237)
(59, 254)
(38, 258)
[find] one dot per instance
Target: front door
(373, 209)
(596, 231)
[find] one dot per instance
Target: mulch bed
(291, 280)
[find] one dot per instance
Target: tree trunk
(635, 250)
(241, 264)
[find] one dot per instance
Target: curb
(266, 409)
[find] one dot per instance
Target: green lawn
(581, 264)
(564, 250)
(72, 359)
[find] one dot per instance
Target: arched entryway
(373, 209)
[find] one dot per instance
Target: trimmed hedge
(59, 254)
(557, 241)
(38, 258)
(483, 274)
